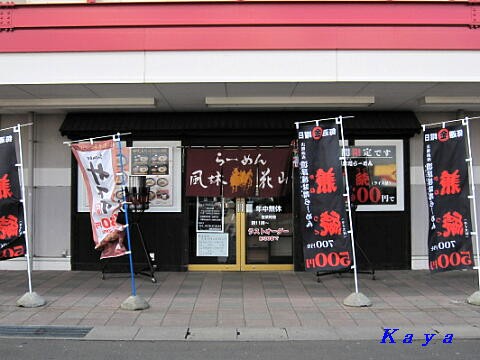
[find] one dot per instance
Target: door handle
(240, 207)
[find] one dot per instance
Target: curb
(325, 333)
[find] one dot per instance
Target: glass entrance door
(268, 240)
(241, 234)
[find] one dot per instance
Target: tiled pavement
(246, 306)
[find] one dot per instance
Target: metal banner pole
(133, 302)
(94, 138)
(449, 121)
(127, 224)
(343, 158)
(29, 299)
(473, 299)
(356, 299)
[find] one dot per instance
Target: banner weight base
(31, 300)
(357, 300)
(474, 299)
(135, 302)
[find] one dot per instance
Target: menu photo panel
(159, 163)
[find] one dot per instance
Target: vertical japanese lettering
(325, 237)
(446, 181)
(97, 164)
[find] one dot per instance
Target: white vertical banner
(96, 162)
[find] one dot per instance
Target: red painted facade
(241, 26)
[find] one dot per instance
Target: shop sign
(447, 185)
(238, 172)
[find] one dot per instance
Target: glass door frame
(240, 248)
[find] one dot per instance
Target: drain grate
(45, 331)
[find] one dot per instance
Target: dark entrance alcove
(385, 236)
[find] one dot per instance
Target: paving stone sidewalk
(245, 306)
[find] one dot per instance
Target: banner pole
(30, 299)
(127, 224)
(18, 126)
(449, 121)
(356, 299)
(25, 224)
(475, 297)
(133, 302)
(347, 196)
(298, 123)
(94, 138)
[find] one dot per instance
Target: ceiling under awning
(198, 125)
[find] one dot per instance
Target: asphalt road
(44, 349)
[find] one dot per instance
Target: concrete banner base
(135, 303)
(31, 300)
(474, 299)
(357, 300)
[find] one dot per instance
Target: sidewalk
(242, 306)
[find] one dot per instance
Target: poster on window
(97, 164)
(210, 214)
(324, 229)
(447, 184)
(375, 170)
(268, 220)
(212, 244)
(12, 238)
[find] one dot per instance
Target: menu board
(155, 164)
(150, 161)
(209, 214)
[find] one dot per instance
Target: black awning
(156, 125)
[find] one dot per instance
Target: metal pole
(95, 138)
(16, 126)
(472, 196)
(339, 121)
(449, 121)
(16, 129)
(125, 210)
(316, 121)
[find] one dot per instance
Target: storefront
(184, 61)
(242, 201)
(212, 210)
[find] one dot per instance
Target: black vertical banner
(12, 239)
(326, 242)
(447, 185)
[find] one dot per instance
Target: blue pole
(127, 228)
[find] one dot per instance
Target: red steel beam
(269, 13)
(241, 38)
(240, 26)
